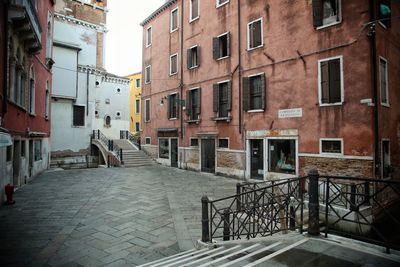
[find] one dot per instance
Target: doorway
(16, 162)
(208, 155)
(257, 159)
(174, 152)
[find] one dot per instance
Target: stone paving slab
(106, 217)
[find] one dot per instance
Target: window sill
(76, 126)
(194, 19)
(174, 30)
(387, 105)
(194, 67)
(331, 104)
(218, 6)
(148, 45)
(331, 154)
(147, 82)
(222, 58)
(173, 74)
(17, 105)
(255, 111)
(228, 119)
(193, 121)
(328, 25)
(254, 48)
(172, 119)
(32, 114)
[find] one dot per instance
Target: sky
(124, 37)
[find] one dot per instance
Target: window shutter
(216, 48)
(178, 105)
(324, 82)
(334, 81)
(188, 104)
(229, 96)
(263, 91)
(216, 97)
(246, 93)
(317, 6)
(198, 56)
(189, 58)
(198, 101)
(228, 44)
(169, 106)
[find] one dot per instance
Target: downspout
(372, 38)
(181, 80)
(240, 70)
(5, 63)
(87, 92)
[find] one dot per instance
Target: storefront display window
(282, 156)
(163, 145)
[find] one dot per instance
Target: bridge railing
(116, 158)
(132, 138)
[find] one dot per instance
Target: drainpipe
(240, 70)
(374, 67)
(87, 92)
(181, 80)
(5, 63)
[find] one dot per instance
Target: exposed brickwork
(152, 151)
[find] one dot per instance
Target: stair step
(180, 257)
(212, 255)
(167, 258)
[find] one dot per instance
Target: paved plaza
(106, 217)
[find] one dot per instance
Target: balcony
(25, 23)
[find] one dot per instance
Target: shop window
(222, 99)
(330, 146)
(78, 116)
(254, 34)
(223, 143)
(331, 81)
(38, 150)
(194, 142)
(221, 46)
(193, 104)
(163, 145)
(282, 156)
(326, 12)
(193, 57)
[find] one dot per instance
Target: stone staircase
(131, 156)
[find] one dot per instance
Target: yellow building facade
(135, 124)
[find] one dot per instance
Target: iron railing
(116, 158)
(132, 138)
(360, 208)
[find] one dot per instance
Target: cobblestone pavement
(106, 217)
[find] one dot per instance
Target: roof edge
(158, 11)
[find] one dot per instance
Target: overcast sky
(124, 38)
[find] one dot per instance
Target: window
(383, 72)
(193, 104)
(385, 13)
(32, 91)
(137, 127)
(326, 12)
(137, 83)
(118, 114)
(194, 10)
(254, 92)
(173, 112)
(137, 106)
(254, 34)
(222, 99)
(221, 46)
(282, 156)
(163, 148)
(222, 2)
(107, 101)
(173, 64)
(38, 150)
(78, 116)
(223, 143)
(147, 110)
(331, 146)
(49, 40)
(148, 36)
(118, 90)
(331, 81)
(194, 142)
(46, 101)
(174, 20)
(193, 57)
(107, 121)
(386, 159)
(23, 148)
(147, 74)
(147, 140)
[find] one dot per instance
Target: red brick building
(26, 46)
(269, 89)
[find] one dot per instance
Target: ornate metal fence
(116, 158)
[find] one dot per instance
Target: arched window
(107, 121)
(32, 90)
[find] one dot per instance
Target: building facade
(265, 90)
(85, 96)
(135, 123)
(26, 37)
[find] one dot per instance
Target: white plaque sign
(290, 113)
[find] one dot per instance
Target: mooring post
(313, 220)
(205, 229)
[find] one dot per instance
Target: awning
(5, 138)
(37, 134)
(167, 132)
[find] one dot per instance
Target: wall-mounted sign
(290, 113)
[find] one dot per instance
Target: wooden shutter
(169, 107)
(216, 97)
(178, 105)
(246, 93)
(263, 91)
(198, 56)
(198, 101)
(189, 58)
(334, 81)
(229, 96)
(317, 6)
(228, 44)
(324, 82)
(188, 104)
(216, 48)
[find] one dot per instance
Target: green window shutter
(189, 58)
(334, 81)
(317, 6)
(216, 97)
(215, 48)
(169, 106)
(198, 56)
(228, 44)
(229, 96)
(246, 93)
(198, 101)
(188, 104)
(324, 82)
(263, 91)
(178, 105)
